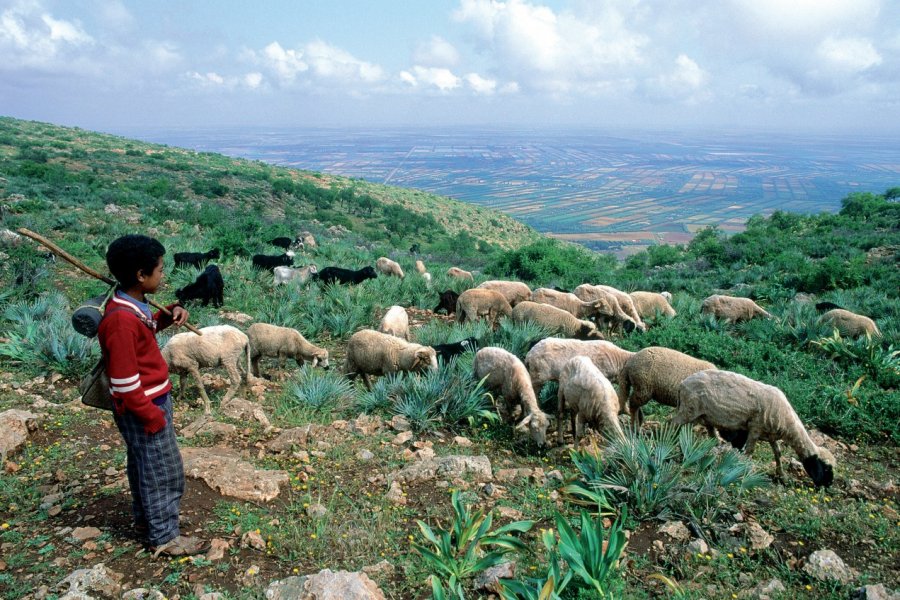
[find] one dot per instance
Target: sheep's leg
(254, 365)
(365, 380)
(195, 373)
(578, 427)
(750, 446)
(235, 376)
(776, 450)
(560, 408)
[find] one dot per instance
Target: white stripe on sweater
(157, 389)
(129, 388)
(123, 381)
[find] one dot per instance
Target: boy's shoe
(182, 545)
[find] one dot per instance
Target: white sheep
(506, 376)
(589, 397)
(427, 277)
(513, 291)
(850, 324)
(546, 359)
(281, 343)
(420, 267)
(648, 304)
(218, 345)
(609, 307)
(556, 320)
(745, 411)
(654, 374)
(371, 352)
(386, 266)
(732, 308)
(460, 273)
(477, 303)
(10, 238)
(395, 322)
(286, 274)
(569, 302)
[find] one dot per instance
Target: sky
(821, 66)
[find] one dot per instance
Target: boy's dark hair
(132, 253)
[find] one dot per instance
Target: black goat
(337, 274)
(447, 302)
(414, 249)
(286, 242)
(195, 259)
(263, 261)
(825, 306)
(209, 285)
(447, 351)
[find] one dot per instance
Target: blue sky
(797, 65)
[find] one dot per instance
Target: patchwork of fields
(610, 192)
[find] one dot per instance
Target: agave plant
(316, 390)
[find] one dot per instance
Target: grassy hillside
(83, 189)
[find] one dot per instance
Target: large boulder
(325, 585)
(15, 427)
(226, 472)
(96, 582)
(445, 467)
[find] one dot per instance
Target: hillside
(701, 521)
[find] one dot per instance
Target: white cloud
(436, 52)
(849, 54)
(286, 63)
(442, 79)
(805, 18)
(30, 38)
(481, 85)
(335, 64)
(212, 79)
(253, 80)
(686, 81)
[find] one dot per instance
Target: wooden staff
(74, 261)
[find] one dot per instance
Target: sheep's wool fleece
(657, 371)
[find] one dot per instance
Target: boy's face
(150, 281)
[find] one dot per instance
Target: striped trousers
(155, 474)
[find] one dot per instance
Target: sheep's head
(320, 359)
(588, 331)
(425, 359)
(537, 424)
(820, 467)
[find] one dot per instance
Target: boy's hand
(179, 315)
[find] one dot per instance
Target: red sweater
(136, 369)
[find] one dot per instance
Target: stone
(758, 537)
(675, 530)
(217, 548)
(208, 427)
(212, 596)
(237, 317)
(382, 569)
(84, 583)
(402, 437)
(252, 539)
(698, 546)
(399, 423)
(366, 425)
(874, 592)
(462, 442)
(510, 513)
(243, 410)
(288, 439)
(142, 594)
(83, 534)
(395, 494)
(316, 511)
(768, 590)
(555, 477)
(478, 467)
(489, 579)
(224, 471)
(825, 565)
(15, 427)
(364, 455)
(325, 585)
(509, 475)
(249, 577)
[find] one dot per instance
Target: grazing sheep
(371, 352)
(619, 316)
(264, 261)
(420, 267)
(287, 274)
(650, 303)
(386, 266)
(654, 374)
(568, 302)
(555, 319)
(589, 396)
(460, 273)
(340, 275)
(546, 359)
(219, 345)
(209, 285)
(194, 259)
(750, 410)
(609, 310)
(513, 291)
(732, 308)
(506, 375)
(477, 303)
(308, 240)
(850, 324)
(395, 322)
(447, 302)
(427, 277)
(281, 343)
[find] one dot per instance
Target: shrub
(317, 391)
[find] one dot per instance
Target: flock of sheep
(584, 364)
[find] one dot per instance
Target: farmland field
(611, 192)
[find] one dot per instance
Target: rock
(399, 423)
(555, 477)
(874, 592)
(242, 410)
(212, 596)
(479, 467)
(366, 425)
(316, 511)
(698, 546)
(510, 513)
(508, 475)
(252, 539)
(462, 442)
(237, 317)
(825, 565)
(142, 594)
(489, 579)
(206, 426)
(402, 437)
(767, 590)
(290, 438)
(224, 471)
(395, 494)
(325, 585)
(675, 530)
(217, 548)
(83, 534)
(364, 455)
(382, 569)
(15, 426)
(759, 538)
(248, 577)
(54, 511)
(83, 583)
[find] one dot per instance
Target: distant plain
(614, 192)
